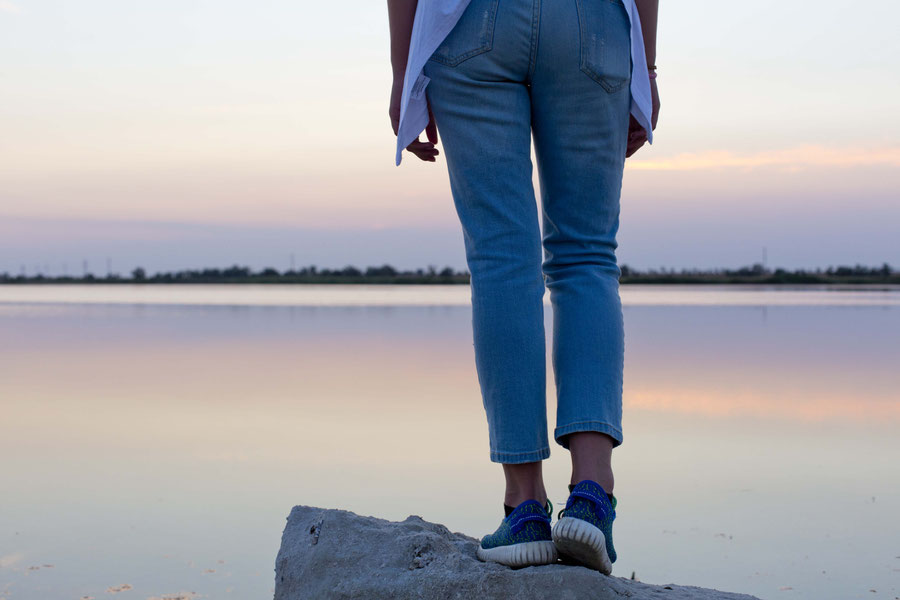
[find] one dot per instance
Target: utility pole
(292, 261)
(108, 267)
(765, 256)
(84, 268)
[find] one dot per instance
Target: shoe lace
(563, 511)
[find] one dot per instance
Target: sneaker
(523, 538)
(583, 532)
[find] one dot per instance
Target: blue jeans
(560, 71)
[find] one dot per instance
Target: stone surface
(331, 554)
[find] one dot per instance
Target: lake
(156, 437)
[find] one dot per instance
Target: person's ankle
(515, 498)
(514, 501)
(507, 509)
(604, 479)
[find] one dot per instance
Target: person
(579, 77)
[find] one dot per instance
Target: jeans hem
(600, 426)
(512, 458)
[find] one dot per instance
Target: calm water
(155, 438)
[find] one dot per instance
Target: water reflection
(161, 447)
(330, 295)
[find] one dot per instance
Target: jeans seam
(535, 35)
(519, 457)
(579, 426)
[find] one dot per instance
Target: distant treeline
(757, 273)
(760, 274)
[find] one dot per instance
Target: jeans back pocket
(605, 32)
(473, 34)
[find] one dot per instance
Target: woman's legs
(580, 108)
(482, 108)
(486, 107)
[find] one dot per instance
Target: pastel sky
(190, 133)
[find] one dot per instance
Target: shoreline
(890, 285)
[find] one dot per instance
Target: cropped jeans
(557, 70)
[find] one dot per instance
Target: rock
(336, 554)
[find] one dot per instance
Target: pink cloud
(797, 158)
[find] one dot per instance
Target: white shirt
(436, 18)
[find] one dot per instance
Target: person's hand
(424, 150)
(637, 135)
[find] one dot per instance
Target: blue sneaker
(583, 533)
(523, 538)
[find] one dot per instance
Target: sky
(192, 133)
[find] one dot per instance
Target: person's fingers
(423, 150)
(426, 154)
(395, 123)
(633, 147)
(426, 157)
(431, 128)
(636, 139)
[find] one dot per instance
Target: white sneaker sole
(520, 555)
(582, 542)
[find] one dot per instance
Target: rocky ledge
(336, 554)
